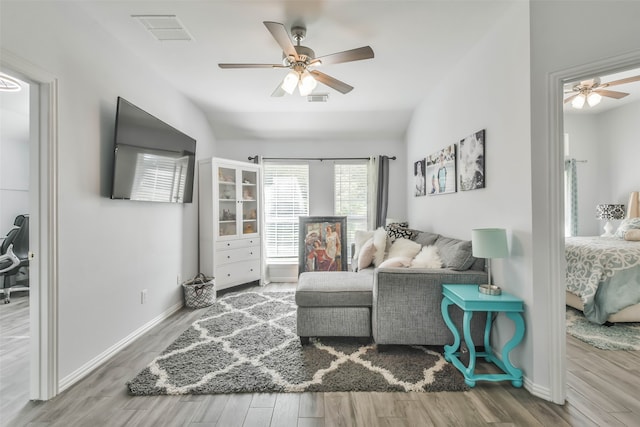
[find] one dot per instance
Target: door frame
(43, 223)
(555, 169)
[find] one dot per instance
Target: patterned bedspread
(604, 273)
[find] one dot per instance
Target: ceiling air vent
(318, 97)
(164, 27)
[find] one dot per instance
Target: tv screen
(152, 161)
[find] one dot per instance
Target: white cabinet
(230, 227)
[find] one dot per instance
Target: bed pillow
(367, 252)
(399, 261)
(633, 235)
(380, 239)
(427, 258)
(404, 248)
(626, 225)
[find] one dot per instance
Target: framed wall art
(471, 162)
(441, 171)
(322, 244)
(420, 182)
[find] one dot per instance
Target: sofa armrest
(406, 305)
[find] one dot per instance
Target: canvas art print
(420, 181)
(322, 244)
(472, 161)
(441, 171)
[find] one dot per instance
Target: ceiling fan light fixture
(578, 101)
(594, 99)
(290, 81)
(307, 83)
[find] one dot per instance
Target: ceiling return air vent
(164, 27)
(318, 97)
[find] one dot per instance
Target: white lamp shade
(593, 99)
(290, 81)
(489, 243)
(578, 101)
(307, 83)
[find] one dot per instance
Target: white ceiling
(416, 43)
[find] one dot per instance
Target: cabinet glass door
(249, 202)
(227, 196)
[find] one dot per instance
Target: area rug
(619, 336)
(246, 343)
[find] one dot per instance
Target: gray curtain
(571, 197)
(382, 198)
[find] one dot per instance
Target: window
(350, 197)
(286, 197)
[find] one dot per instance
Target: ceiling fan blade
(278, 92)
(611, 93)
(336, 84)
(622, 81)
(251, 66)
(569, 99)
(347, 56)
(279, 33)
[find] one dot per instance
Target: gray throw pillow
(456, 254)
(426, 238)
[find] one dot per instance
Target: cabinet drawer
(238, 272)
(235, 244)
(237, 255)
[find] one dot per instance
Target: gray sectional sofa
(395, 305)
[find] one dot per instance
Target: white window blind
(286, 197)
(350, 197)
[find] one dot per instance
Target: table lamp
(489, 243)
(609, 212)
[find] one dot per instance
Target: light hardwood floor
(602, 391)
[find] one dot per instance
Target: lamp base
(490, 289)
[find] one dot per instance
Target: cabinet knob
(228, 274)
(228, 256)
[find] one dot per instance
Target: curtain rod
(315, 158)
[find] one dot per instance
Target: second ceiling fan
(591, 91)
(299, 60)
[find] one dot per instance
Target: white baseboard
(102, 358)
(536, 390)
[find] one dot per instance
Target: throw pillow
(396, 231)
(426, 238)
(367, 252)
(427, 258)
(404, 248)
(632, 235)
(626, 225)
(456, 254)
(380, 242)
(400, 261)
(361, 238)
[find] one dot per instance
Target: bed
(603, 275)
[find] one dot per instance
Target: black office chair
(15, 245)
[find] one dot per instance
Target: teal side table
(470, 300)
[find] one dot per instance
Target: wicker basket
(199, 292)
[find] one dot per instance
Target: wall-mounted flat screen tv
(152, 161)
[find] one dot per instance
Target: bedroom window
(286, 197)
(350, 197)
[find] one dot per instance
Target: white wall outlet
(178, 280)
(143, 296)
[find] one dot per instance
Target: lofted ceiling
(416, 43)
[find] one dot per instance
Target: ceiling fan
(299, 60)
(591, 91)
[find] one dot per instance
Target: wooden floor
(602, 391)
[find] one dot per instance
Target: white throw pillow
(361, 238)
(380, 238)
(399, 261)
(402, 247)
(367, 252)
(427, 258)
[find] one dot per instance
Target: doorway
(42, 119)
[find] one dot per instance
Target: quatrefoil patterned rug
(246, 343)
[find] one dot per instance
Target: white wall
(486, 90)
(321, 173)
(619, 129)
(108, 250)
(558, 44)
(14, 157)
